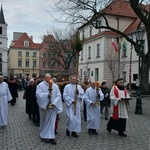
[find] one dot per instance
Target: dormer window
(26, 43)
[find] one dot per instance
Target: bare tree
(80, 12)
(64, 52)
(112, 63)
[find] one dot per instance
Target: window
(90, 31)
(96, 74)
(44, 55)
(1, 29)
(55, 55)
(19, 63)
(83, 34)
(91, 73)
(19, 53)
(82, 55)
(49, 64)
(135, 76)
(124, 49)
(34, 63)
(53, 64)
(27, 54)
(26, 43)
(98, 50)
(88, 72)
(27, 63)
(34, 54)
(44, 64)
(58, 64)
(89, 52)
(124, 76)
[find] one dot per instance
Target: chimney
(31, 37)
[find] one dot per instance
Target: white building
(98, 56)
(3, 44)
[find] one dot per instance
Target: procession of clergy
(49, 100)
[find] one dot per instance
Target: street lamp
(139, 38)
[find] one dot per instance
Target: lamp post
(139, 37)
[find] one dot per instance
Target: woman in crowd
(30, 97)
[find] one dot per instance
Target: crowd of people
(44, 104)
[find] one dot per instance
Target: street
(21, 134)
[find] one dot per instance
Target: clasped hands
(98, 95)
(94, 103)
(74, 102)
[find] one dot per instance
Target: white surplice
(122, 106)
(93, 112)
(5, 97)
(74, 121)
(48, 115)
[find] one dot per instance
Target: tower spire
(2, 19)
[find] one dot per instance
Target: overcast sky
(29, 16)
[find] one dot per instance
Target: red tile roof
(119, 8)
(133, 27)
(20, 42)
(48, 39)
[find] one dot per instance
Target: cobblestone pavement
(21, 134)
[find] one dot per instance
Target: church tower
(3, 44)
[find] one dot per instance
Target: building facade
(23, 56)
(98, 59)
(3, 45)
(53, 58)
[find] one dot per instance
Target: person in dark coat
(106, 101)
(30, 97)
(12, 83)
(85, 85)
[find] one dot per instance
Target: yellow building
(23, 56)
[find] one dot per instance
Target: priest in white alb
(72, 96)
(5, 97)
(92, 98)
(50, 104)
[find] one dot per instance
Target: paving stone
(21, 134)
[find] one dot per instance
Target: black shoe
(89, 131)
(74, 134)
(45, 140)
(36, 124)
(67, 132)
(56, 132)
(53, 141)
(109, 130)
(94, 131)
(106, 118)
(122, 134)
